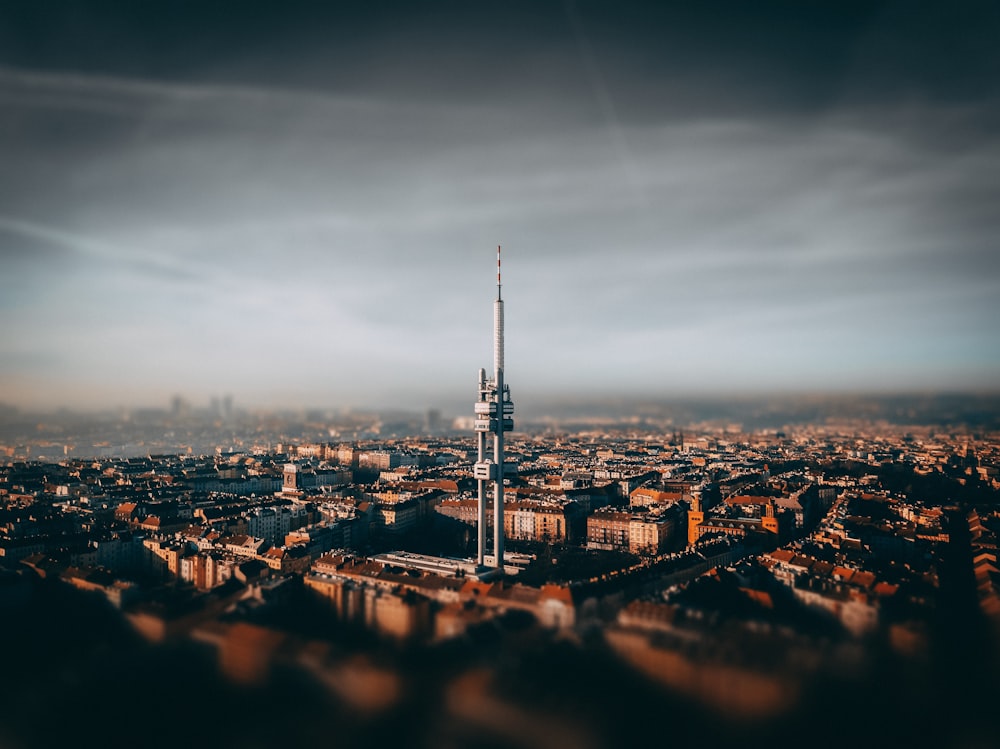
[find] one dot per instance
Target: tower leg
(498, 485)
(481, 508)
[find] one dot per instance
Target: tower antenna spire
(498, 271)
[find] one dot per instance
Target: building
(397, 511)
(541, 520)
(464, 509)
(651, 533)
(638, 532)
(644, 497)
(608, 528)
(773, 526)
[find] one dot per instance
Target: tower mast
(493, 415)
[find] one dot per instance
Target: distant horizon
(457, 408)
(136, 431)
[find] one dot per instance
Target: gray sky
(300, 206)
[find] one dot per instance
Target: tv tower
(494, 410)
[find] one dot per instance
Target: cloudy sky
(301, 205)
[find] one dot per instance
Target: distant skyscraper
(494, 410)
(433, 421)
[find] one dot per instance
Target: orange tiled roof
(759, 596)
(843, 573)
(746, 499)
(864, 579)
(885, 590)
(558, 592)
(801, 560)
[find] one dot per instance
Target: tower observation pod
(493, 416)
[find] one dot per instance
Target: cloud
(661, 218)
(161, 268)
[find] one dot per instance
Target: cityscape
(262, 477)
(536, 592)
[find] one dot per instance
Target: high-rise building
(494, 411)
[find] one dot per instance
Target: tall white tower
(494, 411)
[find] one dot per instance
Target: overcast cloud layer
(301, 207)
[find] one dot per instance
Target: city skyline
(294, 207)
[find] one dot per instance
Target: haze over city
(298, 205)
